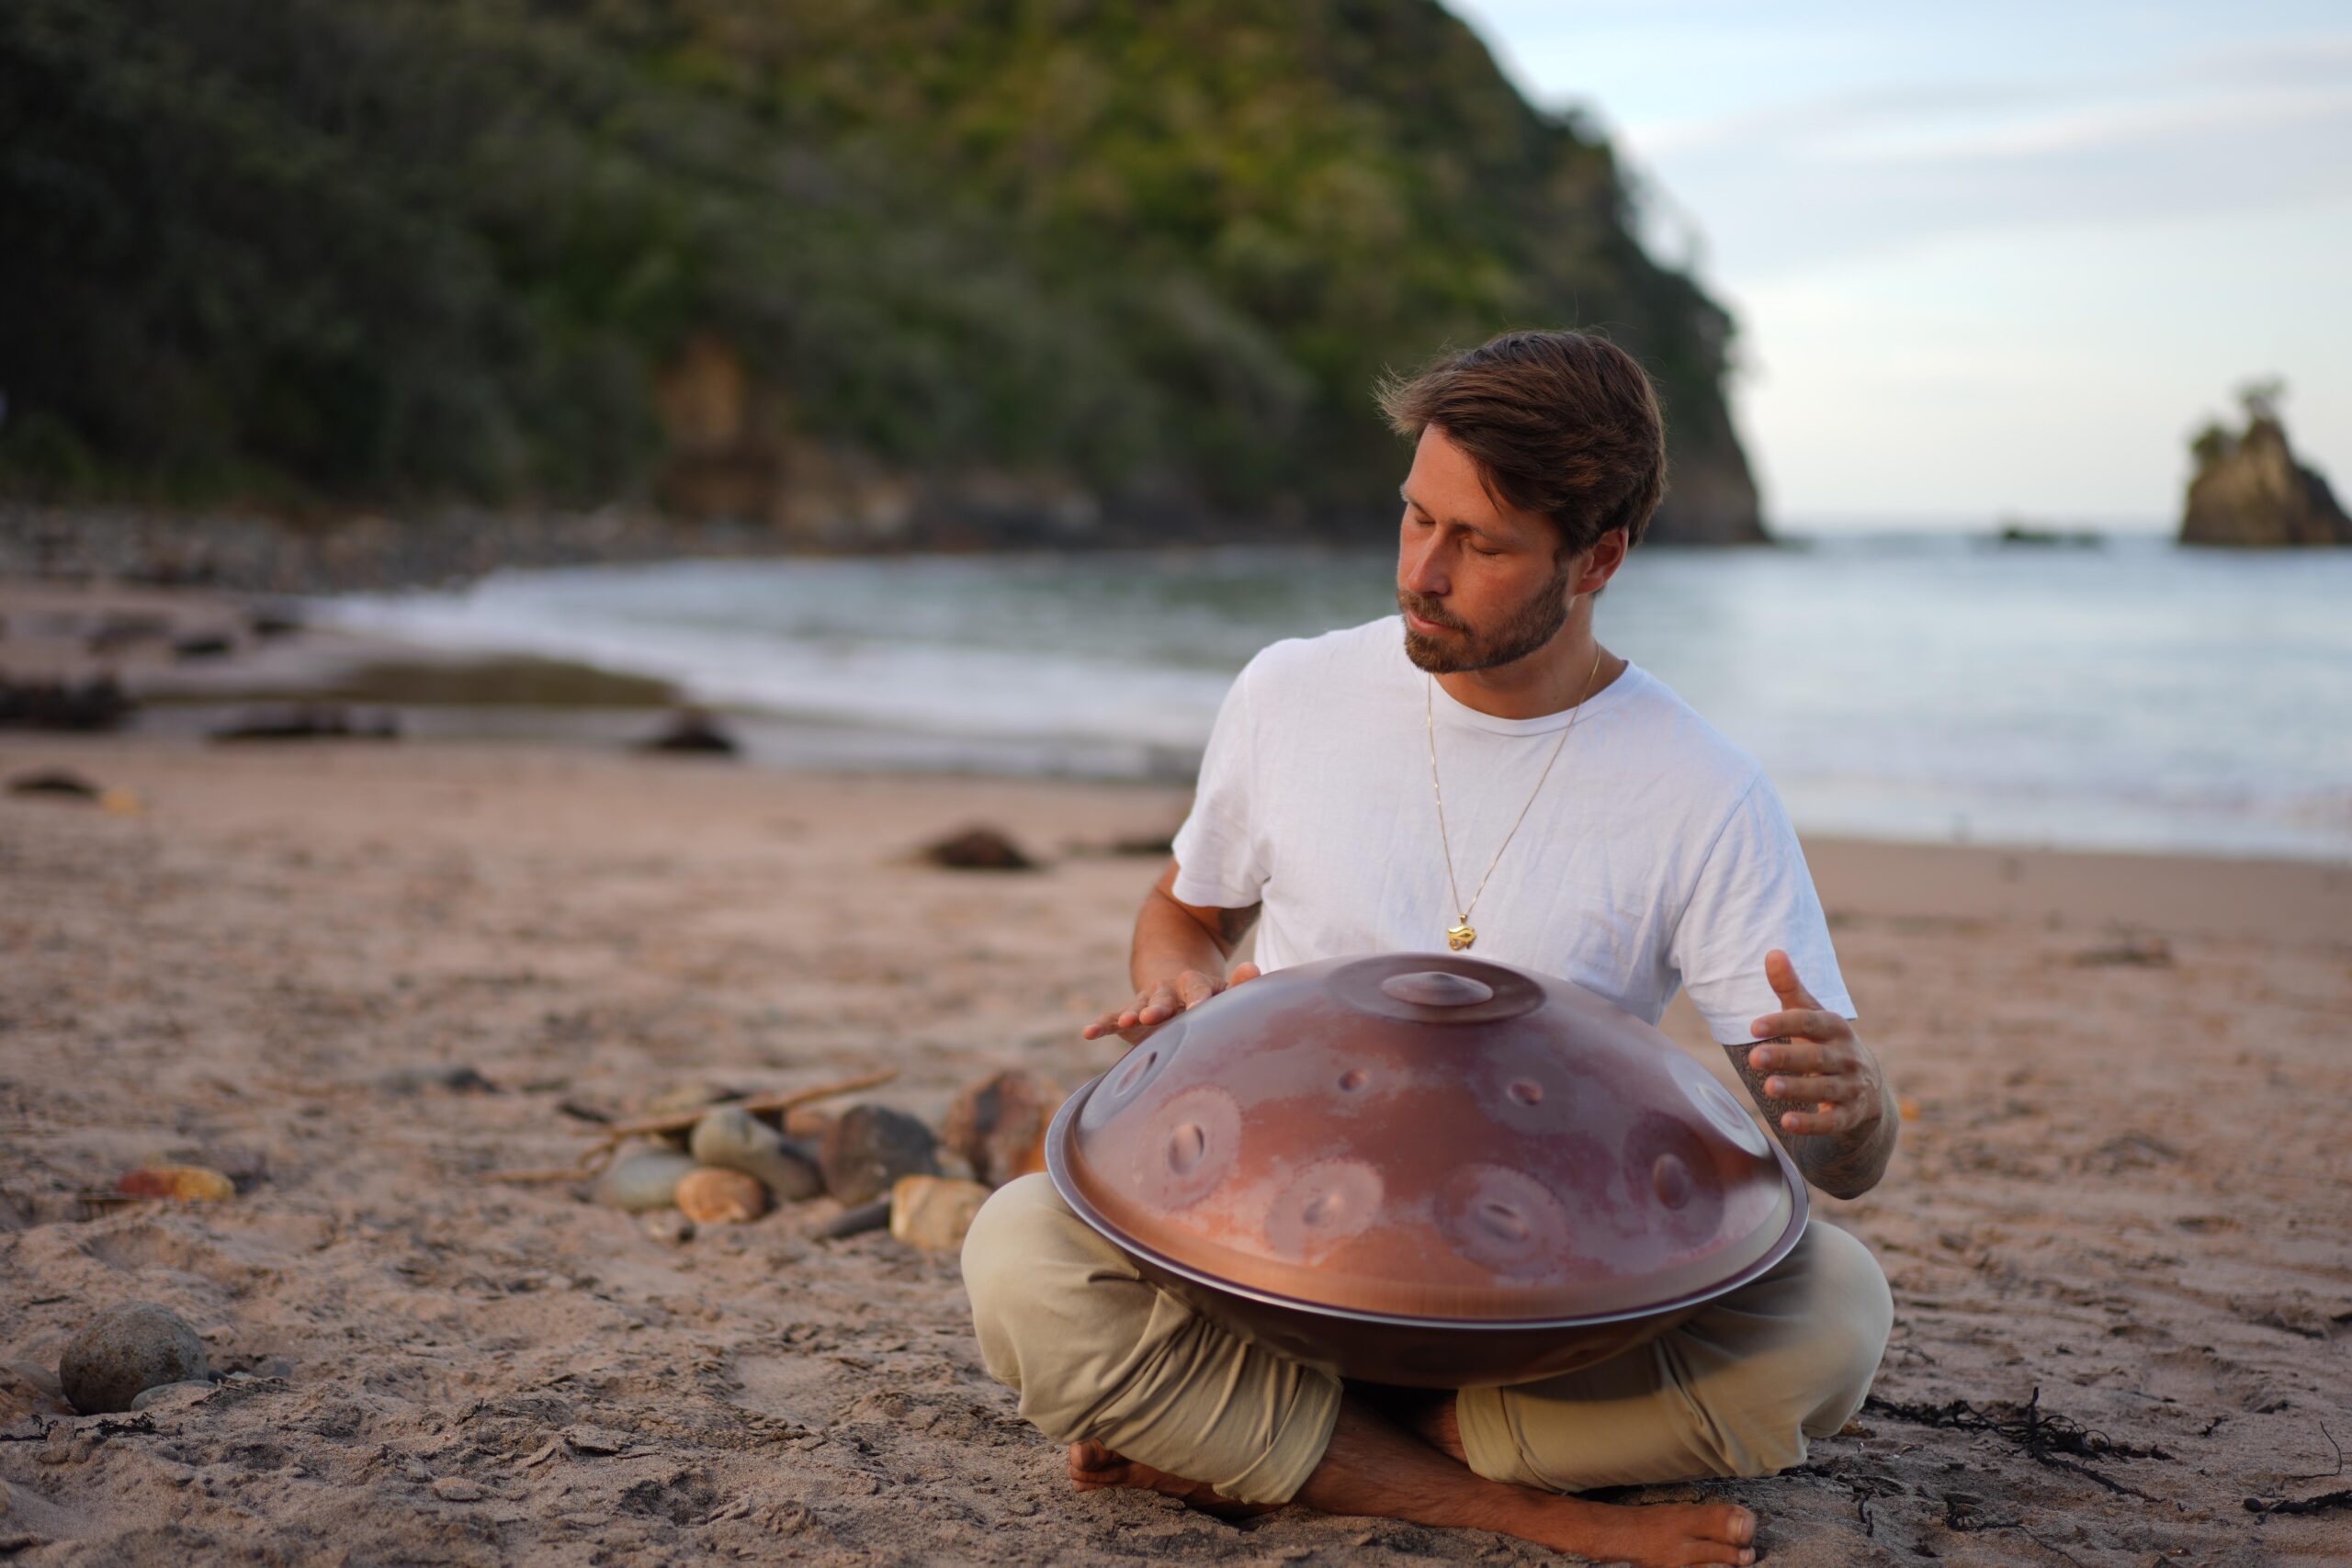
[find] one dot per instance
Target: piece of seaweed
(2319, 1504)
(2046, 1439)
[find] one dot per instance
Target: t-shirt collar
(1450, 711)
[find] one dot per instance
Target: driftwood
(611, 1134)
(759, 1104)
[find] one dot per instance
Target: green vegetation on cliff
(1155, 253)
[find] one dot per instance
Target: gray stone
(164, 1391)
(126, 1351)
(646, 1179)
(870, 1147)
(733, 1139)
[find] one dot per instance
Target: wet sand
(2123, 1187)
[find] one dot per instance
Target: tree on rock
(2249, 491)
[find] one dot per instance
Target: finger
(1821, 1119)
(1782, 975)
(1193, 987)
(1159, 1005)
(1107, 1025)
(1818, 1088)
(1806, 1022)
(1244, 972)
(1794, 1056)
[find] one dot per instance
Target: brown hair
(1561, 423)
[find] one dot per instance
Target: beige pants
(1096, 1352)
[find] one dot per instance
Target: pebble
(978, 849)
(126, 1351)
(734, 1139)
(457, 1489)
(646, 1179)
(669, 1227)
(998, 1124)
(709, 1195)
(164, 1391)
(933, 1212)
(189, 1183)
(870, 1147)
(695, 732)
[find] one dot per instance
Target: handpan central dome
(1349, 1160)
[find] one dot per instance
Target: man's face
(1481, 585)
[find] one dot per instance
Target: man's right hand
(1163, 999)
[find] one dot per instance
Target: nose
(1421, 567)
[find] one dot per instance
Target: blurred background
(1017, 358)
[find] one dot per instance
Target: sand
(2125, 1187)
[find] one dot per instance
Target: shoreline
(75, 631)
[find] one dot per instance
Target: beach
(2120, 1197)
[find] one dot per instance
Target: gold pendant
(1460, 936)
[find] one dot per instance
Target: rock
(668, 1227)
(694, 732)
(870, 1147)
(458, 1489)
(189, 1183)
(733, 1139)
(2249, 490)
(933, 1212)
(267, 621)
(53, 781)
(709, 1195)
(310, 721)
(414, 1081)
(164, 1391)
(126, 1351)
(645, 1179)
(998, 1124)
(864, 1217)
(690, 1095)
(96, 703)
(978, 849)
(127, 628)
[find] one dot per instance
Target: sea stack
(2250, 492)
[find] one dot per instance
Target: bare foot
(1413, 1469)
(1657, 1535)
(1093, 1467)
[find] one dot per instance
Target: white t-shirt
(1656, 856)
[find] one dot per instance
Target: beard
(1522, 632)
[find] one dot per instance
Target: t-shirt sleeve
(1217, 861)
(1754, 894)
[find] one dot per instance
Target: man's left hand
(1820, 1060)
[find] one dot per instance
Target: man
(1494, 778)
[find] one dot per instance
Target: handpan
(1426, 1169)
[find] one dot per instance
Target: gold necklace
(1460, 934)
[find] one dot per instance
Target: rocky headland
(2249, 491)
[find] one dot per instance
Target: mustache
(1428, 609)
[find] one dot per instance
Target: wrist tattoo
(1232, 925)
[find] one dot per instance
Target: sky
(1989, 262)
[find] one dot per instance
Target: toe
(1735, 1524)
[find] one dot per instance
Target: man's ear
(1608, 553)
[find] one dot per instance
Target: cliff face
(904, 272)
(2249, 491)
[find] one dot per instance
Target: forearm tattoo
(1844, 1165)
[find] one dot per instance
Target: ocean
(1925, 687)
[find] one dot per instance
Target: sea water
(2130, 694)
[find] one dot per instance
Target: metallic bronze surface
(1426, 1169)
